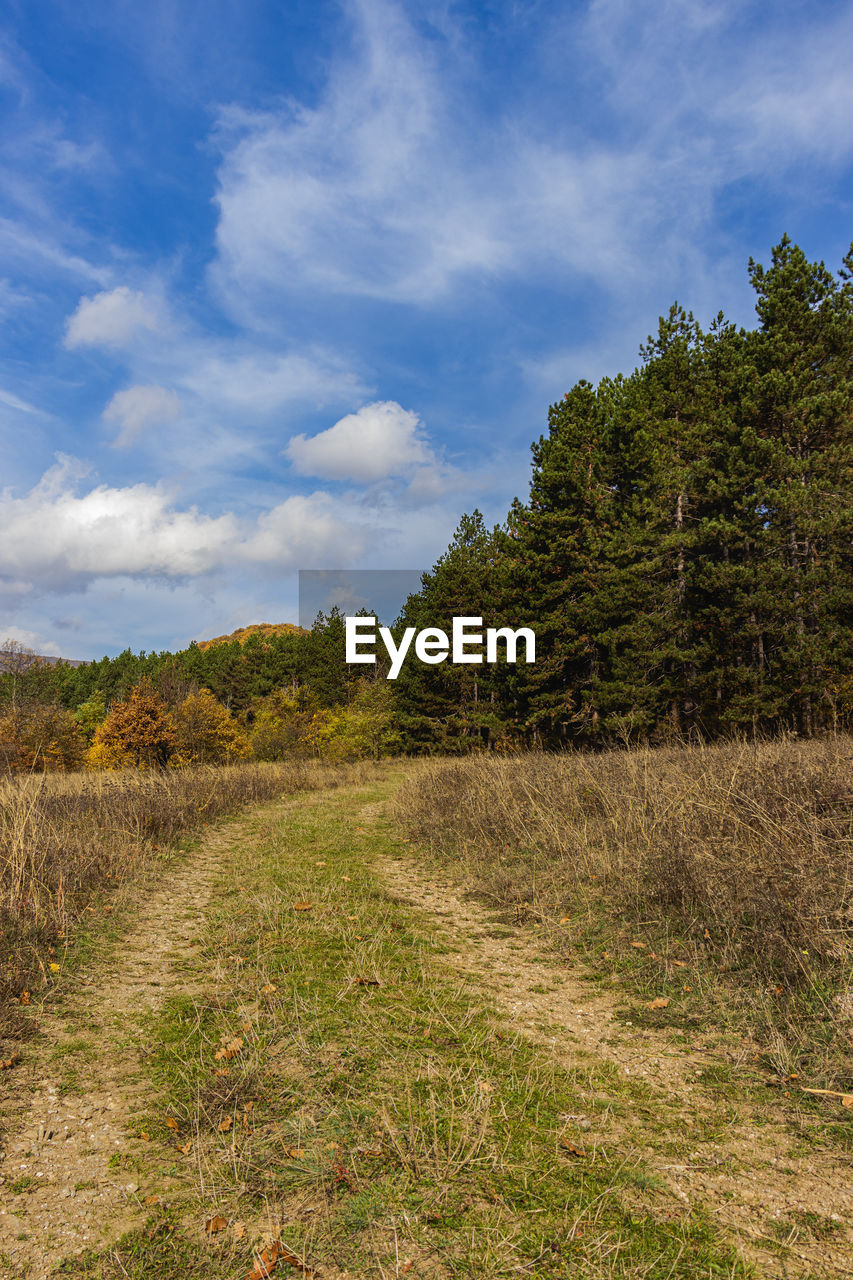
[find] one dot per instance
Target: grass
(68, 841)
(719, 879)
(333, 1084)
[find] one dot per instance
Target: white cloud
(111, 318)
(14, 402)
(57, 538)
(374, 192)
(398, 185)
(305, 530)
(263, 382)
(802, 102)
(42, 251)
(139, 407)
(395, 187)
(34, 640)
(53, 533)
(380, 440)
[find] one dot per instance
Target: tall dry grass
(744, 851)
(66, 837)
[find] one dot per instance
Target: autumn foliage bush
(36, 737)
(141, 732)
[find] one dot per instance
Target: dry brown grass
(65, 838)
(743, 852)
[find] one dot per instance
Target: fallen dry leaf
(24, 998)
(322, 863)
(212, 1225)
(146, 1137)
(172, 1123)
(660, 1002)
(407, 1266)
(269, 989)
(302, 906)
(186, 1148)
(239, 1231)
(54, 968)
(225, 1125)
(247, 1027)
(367, 982)
(641, 946)
(230, 1049)
(221, 1071)
(295, 1153)
(6, 1063)
(572, 1148)
(565, 920)
(680, 964)
(152, 1200)
(267, 1260)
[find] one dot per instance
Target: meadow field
(719, 874)
(570, 1015)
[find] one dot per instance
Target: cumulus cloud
(56, 537)
(139, 407)
(380, 440)
(305, 530)
(35, 640)
(111, 319)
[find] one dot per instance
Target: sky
(291, 286)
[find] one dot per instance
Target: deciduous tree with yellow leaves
(206, 732)
(137, 733)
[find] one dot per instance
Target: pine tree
(555, 555)
(446, 707)
(802, 402)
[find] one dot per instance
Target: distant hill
(32, 659)
(242, 634)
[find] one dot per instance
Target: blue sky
(292, 286)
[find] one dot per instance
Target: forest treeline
(686, 548)
(270, 695)
(684, 555)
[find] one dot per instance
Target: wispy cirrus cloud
(399, 185)
(136, 409)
